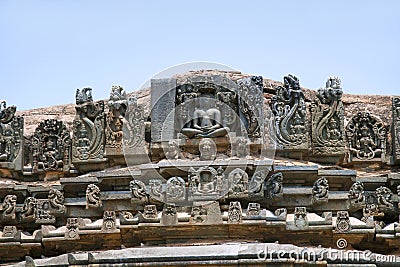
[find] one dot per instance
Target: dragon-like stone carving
(89, 124)
(356, 193)
(384, 197)
(366, 135)
(289, 109)
(321, 189)
(93, 196)
(51, 146)
(56, 200)
(138, 191)
(327, 119)
(28, 210)
(9, 207)
(274, 186)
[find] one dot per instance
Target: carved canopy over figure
(89, 125)
(289, 109)
(366, 135)
(206, 120)
(51, 144)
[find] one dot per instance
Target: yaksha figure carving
(206, 121)
(89, 124)
(366, 135)
(93, 196)
(289, 109)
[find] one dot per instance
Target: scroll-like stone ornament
(93, 196)
(289, 109)
(327, 120)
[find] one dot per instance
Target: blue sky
(50, 48)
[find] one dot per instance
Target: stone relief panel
(109, 222)
(88, 128)
(238, 184)
(134, 125)
(274, 186)
(51, 145)
(289, 108)
(29, 209)
(56, 200)
(235, 212)
(366, 136)
(9, 207)
(253, 209)
(117, 105)
(343, 224)
(256, 185)
(175, 190)
(203, 183)
(357, 195)
(320, 190)
(11, 137)
(72, 229)
(43, 212)
(93, 196)
(327, 120)
(138, 191)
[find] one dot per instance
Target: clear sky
(49, 48)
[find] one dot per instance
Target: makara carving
(289, 109)
(327, 120)
(93, 196)
(89, 125)
(366, 135)
(320, 190)
(51, 144)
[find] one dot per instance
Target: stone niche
(206, 106)
(51, 148)
(366, 137)
(327, 123)
(88, 142)
(11, 140)
(290, 119)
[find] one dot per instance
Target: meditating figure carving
(206, 121)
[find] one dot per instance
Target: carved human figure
(207, 183)
(206, 120)
(172, 150)
(356, 193)
(207, 149)
(333, 132)
(238, 180)
(221, 186)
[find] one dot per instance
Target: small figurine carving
(43, 212)
(384, 197)
(56, 199)
(156, 190)
(9, 231)
(28, 210)
(175, 189)
(242, 147)
(138, 191)
(72, 229)
(93, 196)
(208, 149)
(198, 214)
(256, 184)
(172, 150)
(356, 193)
(134, 125)
(150, 212)
(253, 209)
(238, 183)
(169, 215)
(117, 107)
(221, 184)
(343, 222)
(300, 217)
(275, 186)
(109, 221)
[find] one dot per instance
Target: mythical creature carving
(138, 191)
(327, 119)
(256, 184)
(250, 91)
(366, 135)
(109, 221)
(150, 212)
(51, 145)
(134, 125)
(198, 214)
(89, 125)
(156, 189)
(343, 222)
(11, 133)
(72, 229)
(238, 183)
(9, 207)
(356, 193)
(321, 189)
(274, 186)
(384, 197)
(93, 196)
(28, 210)
(169, 215)
(300, 217)
(56, 199)
(9, 231)
(289, 109)
(117, 106)
(253, 209)
(235, 212)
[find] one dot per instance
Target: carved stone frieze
(206, 183)
(11, 137)
(93, 196)
(327, 120)
(320, 190)
(10, 231)
(134, 126)
(274, 186)
(366, 135)
(88, 129)
(289, 108)
(43, 212)
(51, 147)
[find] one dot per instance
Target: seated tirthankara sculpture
(206, 120)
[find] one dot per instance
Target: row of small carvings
(44, 211)
(207, 214)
